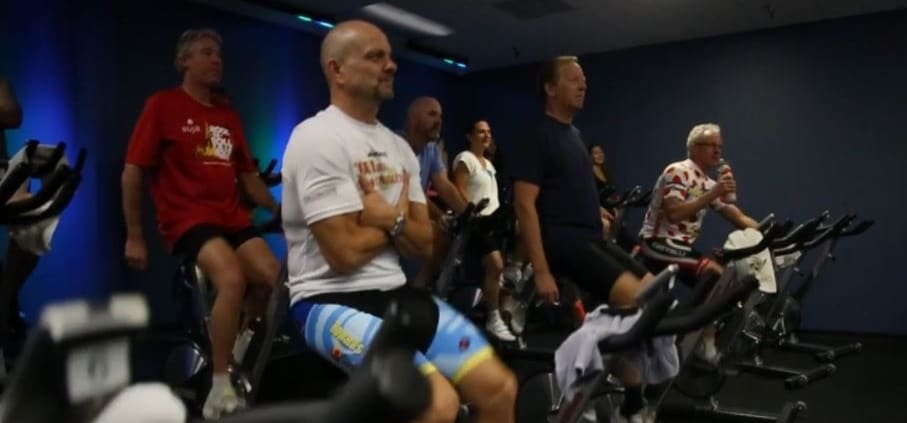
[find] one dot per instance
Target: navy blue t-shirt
(552, 155)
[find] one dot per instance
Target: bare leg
(494, 267)
(623, 295)
(491, 387)
(444, 401)
(709, 350)
(260, 268)
(221, 264)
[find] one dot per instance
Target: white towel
(578, 356)
(759, 265)
(144, 403)
(787, 260)
(36, 237)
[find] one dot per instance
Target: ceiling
(498, 33)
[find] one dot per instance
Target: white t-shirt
(321, 166)
(482, 181)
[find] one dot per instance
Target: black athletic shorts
(659, 253)
(190, 243)
(487, 235)
(592, 265)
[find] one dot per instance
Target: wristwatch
(399, 223)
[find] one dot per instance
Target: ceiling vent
(533, 9)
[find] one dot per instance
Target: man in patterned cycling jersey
(673, 221)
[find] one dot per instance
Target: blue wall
(47, 65)
(811, 115)
(82, 73)
(813, 119)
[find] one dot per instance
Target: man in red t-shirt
(192, 146)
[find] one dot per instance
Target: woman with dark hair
(606, 188)
(475, 178)
(607, 193)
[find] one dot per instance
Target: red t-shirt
(194, 154)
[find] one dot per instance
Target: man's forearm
(132, 201)
(750, 222)
(258, 191)
(743, 221)
(434, 212)
(365, 244)
(684, 210)
(451, 196)
(531, 231)
(416, 239)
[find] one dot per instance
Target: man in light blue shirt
(431, 163)
(422, 129)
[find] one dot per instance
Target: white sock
(220, 380)
(494, 315)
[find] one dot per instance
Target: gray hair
(187, 38)
(701, 131)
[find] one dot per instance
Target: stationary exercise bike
(699, 380)
(775, 327)
(570, 311)
(78, 369)
(22, 208)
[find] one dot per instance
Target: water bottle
(724, 168)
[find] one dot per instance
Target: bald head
(423, 119)
(356, 61)
(420, 105)
(346, 38)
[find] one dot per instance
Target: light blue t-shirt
(430, 163)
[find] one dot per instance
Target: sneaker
(497, 328)
(221, 402)
(616, 417)
(708, 352)
(513, 275)
(525, 278)
(517, 311)
(646, 415)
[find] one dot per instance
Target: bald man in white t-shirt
(352, 204)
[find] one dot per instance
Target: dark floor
(867, 387)
(870, 386)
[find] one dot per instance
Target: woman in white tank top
(475, 177)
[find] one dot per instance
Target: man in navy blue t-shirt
(556, 199)
(557, 206)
